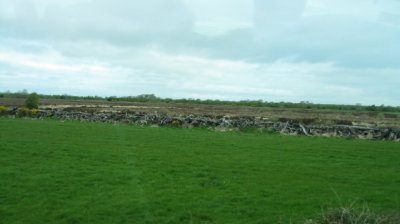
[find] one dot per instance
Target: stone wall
(223, 123)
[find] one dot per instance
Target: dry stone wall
(288, 127)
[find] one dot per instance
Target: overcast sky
(322, 51)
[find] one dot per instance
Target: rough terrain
(305, 117)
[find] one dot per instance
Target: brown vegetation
(370, 119)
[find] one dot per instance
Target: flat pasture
(54, 171)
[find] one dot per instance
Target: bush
(176, 123)
(33, 113)
(32, 101)
(22, 111)
(3, 110)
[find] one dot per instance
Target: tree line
(251, 103)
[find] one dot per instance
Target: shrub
(3, 110)
(33, 112)
(22, 111)
(32, 101)
(176, 123)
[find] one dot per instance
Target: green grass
(72, 172)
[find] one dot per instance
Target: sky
(321, 51)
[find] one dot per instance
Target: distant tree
(372, 108)
(111, 98)
(32, 101)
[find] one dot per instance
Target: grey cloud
(280, 31)
(128, 21)
(277, 12)
(326, 55)
(345, 41)
(391, 18)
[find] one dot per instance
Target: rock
(226, 123)
(304, 131)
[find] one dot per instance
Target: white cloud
(323, 51)
(364, 9)
(188, 76)
(214, 20)
(49, 61)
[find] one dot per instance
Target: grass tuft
(354, 214)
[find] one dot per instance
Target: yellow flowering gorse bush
(3, 110)
(22, 111)
(33, 112)
(176, 123)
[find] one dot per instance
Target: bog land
(74, 172)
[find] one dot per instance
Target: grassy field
(71, 172)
